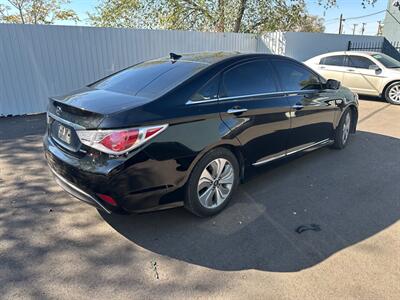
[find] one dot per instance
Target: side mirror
(376, 68)
(332, 84)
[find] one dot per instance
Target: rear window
(149, 79)
(386, 60)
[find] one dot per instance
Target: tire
(207, 193)
(392, 93)
(342, 132)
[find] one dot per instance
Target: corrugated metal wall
(37, 61)
(305, 45)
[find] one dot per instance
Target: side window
(255, 77)
(208, 91)
(360, 62)
(294, 77)
(336, 60)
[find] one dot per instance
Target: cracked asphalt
(53, 246)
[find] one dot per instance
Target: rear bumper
(75, 191)
(138, 183)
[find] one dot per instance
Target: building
(391, 27)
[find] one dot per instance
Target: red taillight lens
(120, 140)
(108, 199)
(152, 131)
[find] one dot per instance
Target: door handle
(322, 67)
(236, 110)
(297, 106)
(350, 70)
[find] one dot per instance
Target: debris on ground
(302, 228)
(155, 270)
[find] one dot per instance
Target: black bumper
(137, 183)
(75, 191)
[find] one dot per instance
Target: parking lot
(53, 246)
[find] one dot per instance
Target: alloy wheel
(394, 93)
(346, 128)
(215, 183)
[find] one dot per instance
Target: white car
(367, 73)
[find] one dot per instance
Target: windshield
(386, 60)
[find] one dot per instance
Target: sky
(349, 9)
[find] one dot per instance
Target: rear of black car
(102, 142)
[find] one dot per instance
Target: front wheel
(392, 93)
(212, 183)
(342, 132)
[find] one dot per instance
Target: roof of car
(209, 58)
(349, 53)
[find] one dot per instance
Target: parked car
(184, 129)
(367, 73)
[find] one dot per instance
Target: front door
(312, 108)
(255, 111)
(361, 75)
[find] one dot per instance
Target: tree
(252, 16)
(330, 3)
(36, 11)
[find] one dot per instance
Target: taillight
(119, 141)
(108, 199)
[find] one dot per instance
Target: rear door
(332, 67)
(361, 75)
(254, 110)
(312, 108)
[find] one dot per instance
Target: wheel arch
(229, 145)
(354, 117)
(383, 94)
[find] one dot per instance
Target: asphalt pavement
(53, 246)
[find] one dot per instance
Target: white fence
(38, 61)
(304, 45)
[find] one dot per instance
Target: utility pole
(363, 28)
(354, 28)
(379, 28)
(341, 24)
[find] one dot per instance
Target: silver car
(367, 73)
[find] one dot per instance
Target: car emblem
(58, 110)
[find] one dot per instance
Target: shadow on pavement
(351, 194)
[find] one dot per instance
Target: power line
(360, 17)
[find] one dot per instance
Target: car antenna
(174, 57)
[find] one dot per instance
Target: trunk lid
(87, 107)
(84, 109)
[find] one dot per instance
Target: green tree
(253, 16)
(36, 11)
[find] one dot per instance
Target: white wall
(38, 61)
(304, 45)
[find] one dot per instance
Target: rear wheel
(342, 132)
(212, 183)
(392, 93)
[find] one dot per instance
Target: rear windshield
(149, 79)
(387, 61)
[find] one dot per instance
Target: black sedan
(185, 128)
